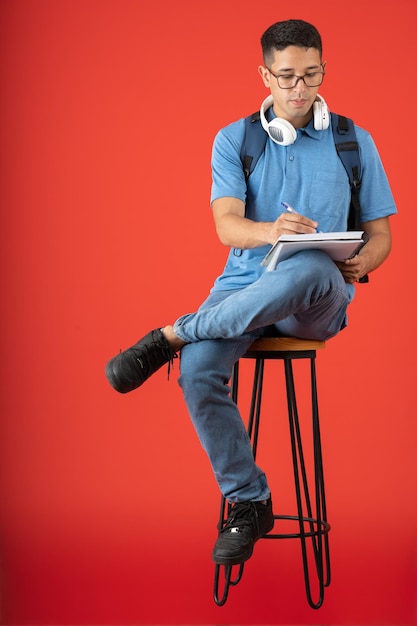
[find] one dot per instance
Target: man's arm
(373, 254)
(237, 231)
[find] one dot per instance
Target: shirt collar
(310, 130)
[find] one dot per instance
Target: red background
(108, 507)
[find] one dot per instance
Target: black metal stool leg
(227, 569)
(228, 581)
(319, 474)
(317, 524)
(253, 430)
(255, 406)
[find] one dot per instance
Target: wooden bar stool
(310, 523)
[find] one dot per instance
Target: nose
(300, 84)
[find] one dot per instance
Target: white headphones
(284, 133)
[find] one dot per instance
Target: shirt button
(291, 158)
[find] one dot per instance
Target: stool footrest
(316, 528)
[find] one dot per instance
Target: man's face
(294, 104)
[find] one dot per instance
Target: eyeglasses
(289, 81)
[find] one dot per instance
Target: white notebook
(339, 246)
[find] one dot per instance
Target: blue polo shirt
(307, 174)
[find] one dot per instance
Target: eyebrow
(291, 69)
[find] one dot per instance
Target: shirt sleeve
(227, 171)
(375, 194)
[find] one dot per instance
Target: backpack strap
(253, 143)
(348, 151)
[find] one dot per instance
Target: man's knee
(200, 365)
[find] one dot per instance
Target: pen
(291, 210)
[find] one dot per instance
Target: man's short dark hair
(289, 33)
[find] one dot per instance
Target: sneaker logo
(235, 530)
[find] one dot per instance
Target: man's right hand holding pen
(292, 223)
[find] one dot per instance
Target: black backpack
(347, 149)
(346, 145)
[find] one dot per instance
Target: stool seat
(284, 344)
(312, 527)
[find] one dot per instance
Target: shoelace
(242, 514)
(151, 359)
(173, 356)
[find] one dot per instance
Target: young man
(306, 295)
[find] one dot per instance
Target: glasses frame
(298, 78)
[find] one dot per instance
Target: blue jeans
(307, 297)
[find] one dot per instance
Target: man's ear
(265, 75)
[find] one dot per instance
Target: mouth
(299, 102)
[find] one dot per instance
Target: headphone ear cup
(321, 114)
(281, 131)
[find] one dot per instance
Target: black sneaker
(247, 522)
(129, 369)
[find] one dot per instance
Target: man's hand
(373, 253)
(352, 269)
(237, 231)
(291, 224)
